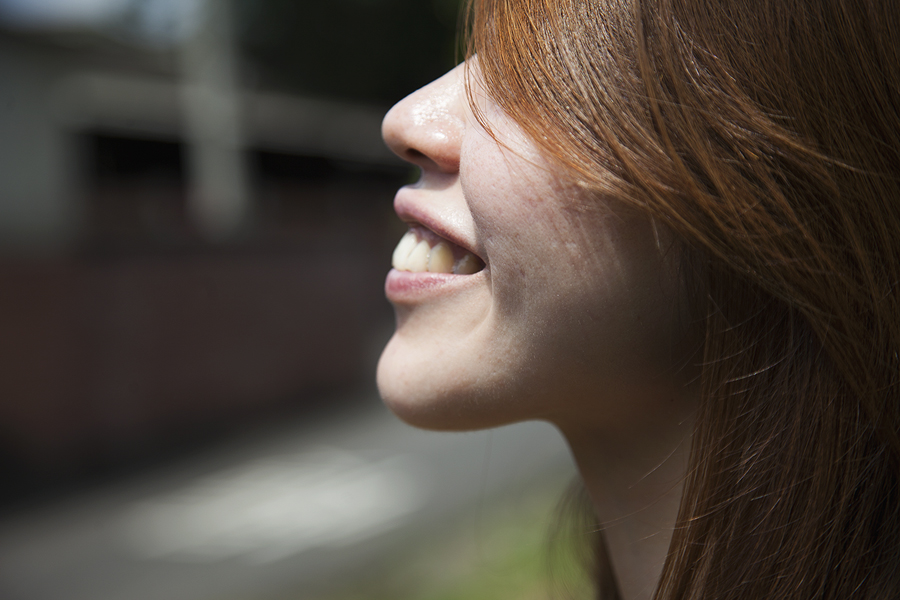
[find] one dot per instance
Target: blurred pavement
(286, 512)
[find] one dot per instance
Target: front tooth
(467, 265)
(401, 253)
(441, 259)
(418, 258)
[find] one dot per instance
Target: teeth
(467, 265)
(417, 256)
(407, 243)
(441, 259)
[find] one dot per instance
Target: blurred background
(195, 225)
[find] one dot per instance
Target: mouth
(422, 251)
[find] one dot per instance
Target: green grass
(495, 552)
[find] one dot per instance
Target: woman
(672, 229)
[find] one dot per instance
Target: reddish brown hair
(766, 135)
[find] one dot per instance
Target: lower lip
(404, 286)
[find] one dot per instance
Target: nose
(426, 128)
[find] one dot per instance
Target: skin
(578, 318)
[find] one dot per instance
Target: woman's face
(576, 316)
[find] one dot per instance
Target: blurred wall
(123, 320)
(38, 208)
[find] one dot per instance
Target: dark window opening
(136, 191)
(130, 158)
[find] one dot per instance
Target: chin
(435, 400)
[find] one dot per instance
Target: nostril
(429, 161)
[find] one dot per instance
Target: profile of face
(518, 294)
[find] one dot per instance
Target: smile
(421, 251)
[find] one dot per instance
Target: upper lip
(415, 213)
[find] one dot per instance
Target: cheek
(585, 307)
(592, 301)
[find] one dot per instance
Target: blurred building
(178, 249)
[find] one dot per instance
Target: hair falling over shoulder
(766, 135)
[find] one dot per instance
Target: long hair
(766, 135)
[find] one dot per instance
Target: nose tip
(426, 127)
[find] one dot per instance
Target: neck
(635, 479)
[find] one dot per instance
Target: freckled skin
(577, 318)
